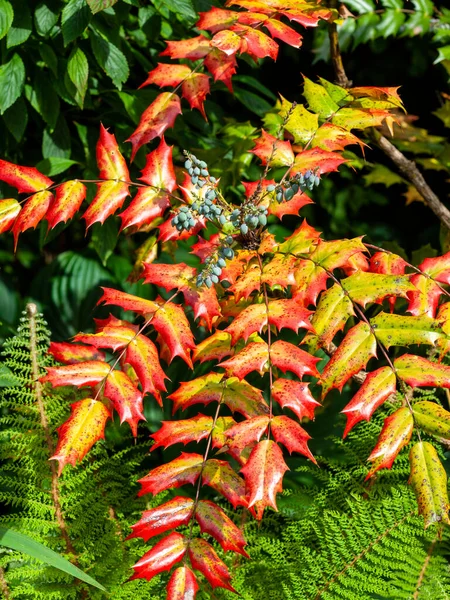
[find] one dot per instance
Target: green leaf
(362, 6)
(43, 98)
(49, 57)
(105, 238)
(54, 165)
(256, 85)
(78, 71)
(319, 101)
(383, 175)
(75, 18)
(57, 143)
(402, 330)
(22, 543)
(6, 17)
(444, 54)
(16, 119)
(429, 482)
(252, 101)
(111, 59)
(45, 18)
(443, 113)
(12, 79)
(390, 23)
(182, 8)
(20, 29)
(99, 5)
(7, 378)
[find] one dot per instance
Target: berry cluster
(198, 170)
(249, 217)
(215, 263)
(300, 182)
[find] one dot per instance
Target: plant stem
(335, 53)
(31, 313)
(3, 585)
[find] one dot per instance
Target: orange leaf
(247, 432)
(310, 280)
(109, 198)
(296, 396)
(258, 44)
(9, 209)
(33, 211)
(215, 522)
(352, 355)
(184, 469)
(424, 300)
(376, 388)
(128, 301)
(79, 374)
(216, 19)
(227, 41)
(193, 48)
(288, 432)
(204, 559)
(69, 198)
(84, 427)
(270, 149)
(219, 475)
(110, 161)
(263, 474)
(396, 433)
(171, 514)
(171, 323)
(74, 353)
(288, 357)
(195, 89)
(182, 585)
(214, 347)
(161, 557)
(160, 115)
(24, 179)
(182, 431)
(316, 159)
(167, 75)
(221, 66)
(252, 358)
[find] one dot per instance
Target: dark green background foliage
(65, 67)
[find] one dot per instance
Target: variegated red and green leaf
(418, 371)
(184, 469)
(204, 559)
(166, 553)
(27, 180)
(173, 513)
(182, 431)
(215, 522)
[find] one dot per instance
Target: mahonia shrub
(271, 307)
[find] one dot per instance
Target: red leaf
(109, 198)
(247, 432)
(270, 149)
(142, 355)
(171, 323)
(128, 301)
(246, 283)
(84, 427)
(193, 48)
(182, 277)
(126, 398)
(424, 300)
(171, 514)
(288, 432)
(391, 264)
(219, 475)
(252, 358)
(296, 396)
(396, 433)
(151, 203)
(80, 374)
(263, 474)
(24, 179)
(74, 353)
(195, 89)
(167, 75)
(281, 313)
(201, 390)
(310, 280)
(221, 66)
(69, 198)
(182, 431)
(184, 469)
(438, 268)
(160, 115)
(288, 357)
(215, 522)
(281, 31)
(258, 44)
(33, 211)
(376, 388)
(332, 255)
(182, 585)
(9, 209)
(161, 557)
(316, 159)
(204, 559)
(110, 161)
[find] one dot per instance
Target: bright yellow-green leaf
(319, 100)
(432, 418)
(429, 482)
(402, 330)
(366, 287)
(301, 123)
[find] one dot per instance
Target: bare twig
(3, 585)
(409, 169)
(335, 53)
